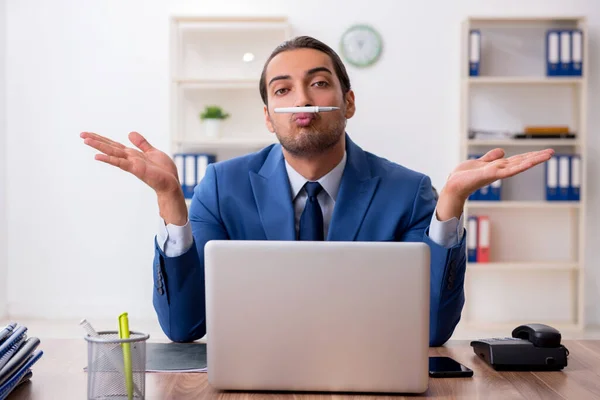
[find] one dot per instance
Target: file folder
(577, 52)
(551, 176)
(575, 188)
(474, 52)
(483, 239)
(565, 53)
(476, 195)
(472, 233)
(564, 177)
(7, 387)
(486, 193)
(496, 190)
(191, 168)
(552, 53)
(189, 176)
(178, 160)
(202, 161)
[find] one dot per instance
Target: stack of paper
(17, 356)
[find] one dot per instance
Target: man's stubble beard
(312, 140)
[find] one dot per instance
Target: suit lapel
(271, 190)
(356, 192)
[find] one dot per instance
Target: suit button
(159, 283)
(160, 290)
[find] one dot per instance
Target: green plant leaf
(213, 112)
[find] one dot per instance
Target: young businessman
(316, 184)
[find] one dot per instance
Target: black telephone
(532, 347)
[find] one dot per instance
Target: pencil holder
(116, 367)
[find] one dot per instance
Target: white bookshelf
(210, 65)
(536, 268)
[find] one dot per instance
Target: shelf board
(523, 142)
(526, 19)
(524, 80)
(248, 25)
(523, 266)
(227, 143)
(524, 204)
(191, 83)
(227, 18)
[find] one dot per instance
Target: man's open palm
(472, 175)
(150, 165)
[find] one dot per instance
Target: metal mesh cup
(108, 374)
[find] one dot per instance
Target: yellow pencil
(124, 334)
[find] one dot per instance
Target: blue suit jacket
(249, 198)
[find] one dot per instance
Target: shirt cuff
(446, 233)
(174, 240)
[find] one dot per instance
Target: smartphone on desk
(446, 367)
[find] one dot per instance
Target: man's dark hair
(306, 42)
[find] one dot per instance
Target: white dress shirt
(175, 240)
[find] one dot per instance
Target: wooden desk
(59, 375)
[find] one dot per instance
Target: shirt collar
(330, 182)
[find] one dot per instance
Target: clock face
(361, 45)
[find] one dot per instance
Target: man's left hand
(472, 175)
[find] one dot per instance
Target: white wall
(3, 227)
(81, 233)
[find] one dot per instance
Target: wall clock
(361, 45)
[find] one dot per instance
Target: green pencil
(124, 334)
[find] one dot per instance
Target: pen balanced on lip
(308, 109)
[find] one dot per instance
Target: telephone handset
(531, 347)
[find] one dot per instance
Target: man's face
(306, 77)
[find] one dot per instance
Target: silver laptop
(317, 316)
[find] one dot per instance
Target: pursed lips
(303, 119)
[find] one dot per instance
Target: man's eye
(321, 83)
(280, 91)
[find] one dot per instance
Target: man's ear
(268, 122)
(350, 104)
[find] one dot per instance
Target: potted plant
(211, 117)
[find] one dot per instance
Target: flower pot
(212, 127)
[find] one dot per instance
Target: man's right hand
(150, 165)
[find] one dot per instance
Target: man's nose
(303, 99)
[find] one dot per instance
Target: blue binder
(476, 195)
(474, 52)
(496, 190)
(575, 178)
(485, 193)
(564, 177)
(552, 52)
(576, 52)
(551, 178)
(472, 238)
(566, 64)
(191, 168)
